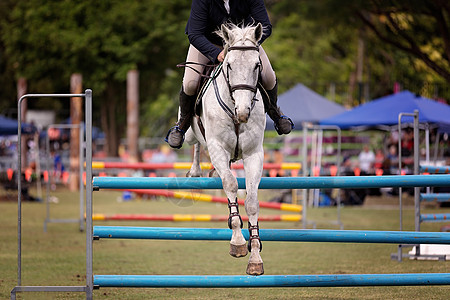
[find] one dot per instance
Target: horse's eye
(258, 65)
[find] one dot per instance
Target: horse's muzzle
(243, 116)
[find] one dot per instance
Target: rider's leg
(175, 136)
(283, 124)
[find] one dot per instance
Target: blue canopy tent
(9, 127)
(383, 113)
(302, 104)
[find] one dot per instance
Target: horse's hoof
(238, 250)
(255, 269)
(193, 174)
(213, 173)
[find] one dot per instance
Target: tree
(47, 42)
(303, 50)
(407, 41)
(419, 28)
(8, 90)
(314, 42)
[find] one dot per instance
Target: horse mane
(238, 33)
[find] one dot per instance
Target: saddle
(205, 81)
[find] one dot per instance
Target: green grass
(58, 256)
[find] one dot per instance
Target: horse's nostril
(243, 117)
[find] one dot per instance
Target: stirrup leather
(253, 237)
(230, 205)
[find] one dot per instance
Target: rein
(187, 64)
(231, 114)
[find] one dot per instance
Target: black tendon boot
(175, 136)
(282, 123)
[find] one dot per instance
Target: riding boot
(282, 123)
(175, 136)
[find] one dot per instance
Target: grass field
(58, 256)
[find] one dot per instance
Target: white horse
(233, 118)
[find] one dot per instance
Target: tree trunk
(351, 89)
(133, 115)
(76, 103)
(104, 125)
(360, 66)
(22, 90)
(112, 130)
(109, 122)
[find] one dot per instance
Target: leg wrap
(253, 236)
(234, 214)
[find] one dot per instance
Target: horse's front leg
(220, 159)
(253, 165)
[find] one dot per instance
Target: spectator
(379, 158)
(164, 155)
(392, 154)
(407, 143)
(366, 159)
(278, 158)
(58, 166)
(347, 167)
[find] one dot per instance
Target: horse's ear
(225, 33)
(258, 32)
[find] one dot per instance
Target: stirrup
(175, 128)
(253, 237)
(230, 205)
(275, 124)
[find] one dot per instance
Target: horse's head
(242, 65)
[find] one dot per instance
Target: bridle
(233, 88)
(236, 87)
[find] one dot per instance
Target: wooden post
(22, 90)
(360, 66)
(133, 115)
(76, 104)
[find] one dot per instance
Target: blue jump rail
(281, 235)
(435, 170)
(283, 281)
(273, 182)
(434, 217)
(439, 197)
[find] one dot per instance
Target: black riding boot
(175, 136)
(282, 123)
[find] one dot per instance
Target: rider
(205, 18)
